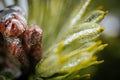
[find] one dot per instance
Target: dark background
(110, 69)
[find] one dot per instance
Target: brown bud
(36, 53)
(32, 41)
(12, 24)
(15, 48)
(22, 43)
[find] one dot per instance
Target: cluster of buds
(17, 39)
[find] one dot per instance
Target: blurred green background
(110, 69)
